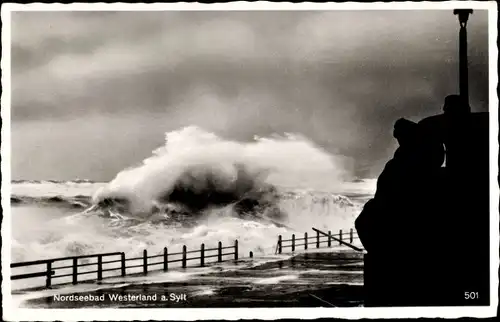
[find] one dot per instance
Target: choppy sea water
(49, 220)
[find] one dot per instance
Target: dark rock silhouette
(426, 230)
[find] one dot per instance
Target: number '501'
(471, 295)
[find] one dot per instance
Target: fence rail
(76, 266)
(51, 272)
(319, 239)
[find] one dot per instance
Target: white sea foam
(277, 279)
(200, 161)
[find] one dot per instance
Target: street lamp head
(463, 16)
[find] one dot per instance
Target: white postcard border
(11, 313)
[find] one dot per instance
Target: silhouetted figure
(391, 223)
(455, 105)
(426, 229)
(379, 214)
(391, 177)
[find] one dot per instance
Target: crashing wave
(198, 170)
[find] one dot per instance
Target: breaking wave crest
(196, 171)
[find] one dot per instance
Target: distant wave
(75, 202)
(54, 181)
(319, 197)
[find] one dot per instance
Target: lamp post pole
(463, 16)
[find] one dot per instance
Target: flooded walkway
(311, 279)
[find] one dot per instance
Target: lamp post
(463, 16)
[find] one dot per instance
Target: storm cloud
(93, 92)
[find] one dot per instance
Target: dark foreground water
(323, 279)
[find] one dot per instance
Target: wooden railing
(101, 263)
(318, 240)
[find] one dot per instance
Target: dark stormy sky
(94, 92)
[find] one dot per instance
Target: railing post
(202, 255)
(145, 262)
(184, 256)
(351, 236)
(305, 240)
(99, 267)
(340, 237)
(75, 271)
(219, 252)
(329, 238)
(251, 254)
(279, 244)
(317, 239)
(123, 264)
(236, 249)
(165, 259)
(293, 242)
(48, 281)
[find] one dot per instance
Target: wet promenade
(312, 279)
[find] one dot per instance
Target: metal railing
(319, 240)
(103, 263)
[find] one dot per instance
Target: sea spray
(49, 232)
(204, 166)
